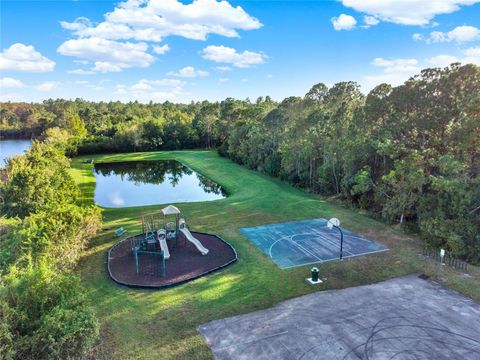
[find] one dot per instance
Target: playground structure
(149, 268)
(153, 244)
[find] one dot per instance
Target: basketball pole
(341, 240)
(335, 223)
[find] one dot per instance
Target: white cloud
(80, 72)
(20, 57)
(396, 65)
(79, 24)
(108, 55)
(147, 85)
(472, 55)
(244, 80)
(48, 86)
(14, 97)
(223, 80)
(269, 76)
(138, 21)
(397, 71)
(96, 87)
(80, 62)
(460, 34)
(141, 86)
(106, 66)
(343, 22)
(166, 82)
(155, 90)
(120, 89)
(464, 34)
(8, 82)
(161, 50)
(153, 20)
(417, 37)
(442, 60)
(224, 54)
(473, 52)
(469, 56)
(411, 12)
(370, 20)
(394, 71)
(223, 68)
(189, 72)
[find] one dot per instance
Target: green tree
(36, 181)
(403, 187)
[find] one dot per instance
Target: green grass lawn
(146, 324)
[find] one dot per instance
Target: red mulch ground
(186, 262)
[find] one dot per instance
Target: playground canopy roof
(170, 210)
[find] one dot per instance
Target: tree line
(44, 228)
(409, 154)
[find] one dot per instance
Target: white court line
(301, 248)
(336, 259)
(312, 254)
(348, 236)
(326, 242)
(330, 241)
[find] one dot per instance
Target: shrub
(7, 314)
(52, 319)
(65, 334)
(58, 235)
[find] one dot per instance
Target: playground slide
(163, 245)
(194, 241)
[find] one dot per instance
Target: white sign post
(442, 255)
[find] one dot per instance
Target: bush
(58, 235)
(9, 245)
(52, 319)
(7, 314)
(65, 334)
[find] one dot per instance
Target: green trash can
(314, 274)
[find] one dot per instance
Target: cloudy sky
(206, 49)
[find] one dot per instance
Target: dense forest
(409, 154)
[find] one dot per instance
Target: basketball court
(307, 242)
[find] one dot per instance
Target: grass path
(144, 324)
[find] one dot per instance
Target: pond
(10, 148)
(140, 183)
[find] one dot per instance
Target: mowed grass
(146, 324)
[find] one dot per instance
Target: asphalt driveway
(402, 318)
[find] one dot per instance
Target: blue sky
(181, 51)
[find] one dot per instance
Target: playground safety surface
(307, 242)
(185, 263)
(402, 319)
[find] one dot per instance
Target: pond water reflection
(139, 183)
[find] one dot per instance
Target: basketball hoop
(333, 222)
